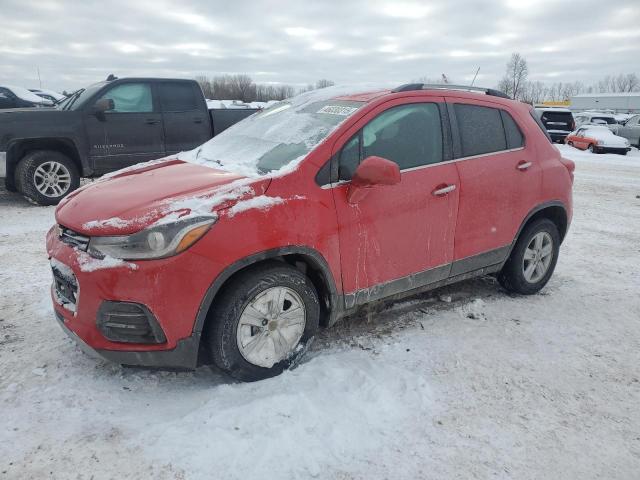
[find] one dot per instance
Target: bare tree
(322, 83)
(516, 76)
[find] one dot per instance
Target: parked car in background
(54, 97)
(596, 118)
(559, 122)
(598, 139)
(235, 253)
(630, 130)
(105, 127)
(19, 97)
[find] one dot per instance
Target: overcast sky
(76, 43)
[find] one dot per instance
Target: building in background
(628, 102)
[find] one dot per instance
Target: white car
(55, 97)
(596, 118)
(598, 139)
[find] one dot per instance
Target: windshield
(609, 120)
(79, 97)
(274, 138)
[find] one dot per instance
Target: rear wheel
(591, 148)
(533, 258)
(46, 176)
(260, 320)
(570, 144)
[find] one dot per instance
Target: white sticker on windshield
(337, 110)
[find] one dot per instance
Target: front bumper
(171, 288)
(605, 149)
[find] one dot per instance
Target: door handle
(197, 120)
(151, 121)
(443, 190)
(523, 166)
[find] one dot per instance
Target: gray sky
(76, 43)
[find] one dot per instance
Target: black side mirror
(103, 105)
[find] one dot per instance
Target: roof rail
(407, 87)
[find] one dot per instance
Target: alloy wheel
(271, 326)
(537, 257)
(52, 179)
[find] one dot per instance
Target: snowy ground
(482, 386)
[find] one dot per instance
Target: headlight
(599, 142)
(158, 241)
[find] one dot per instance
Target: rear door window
(481, 129)
(178, 96)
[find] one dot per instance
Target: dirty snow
(466, 382)
(90, 264)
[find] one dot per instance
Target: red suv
(236, 252)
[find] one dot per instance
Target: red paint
(398, 228)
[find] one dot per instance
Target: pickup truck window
(178, 96)
(130, 98)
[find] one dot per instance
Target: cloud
(74, 44)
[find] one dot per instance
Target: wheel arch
(554, 211)
(307, 260)
(21, 147)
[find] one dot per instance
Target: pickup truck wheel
(533, 258)
(46, 176)
(260, 320)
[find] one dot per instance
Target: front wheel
(260, 320)
(46, 176)
(591, 148)
(533, 258)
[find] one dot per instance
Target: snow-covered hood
(607, 138)
(135, 199)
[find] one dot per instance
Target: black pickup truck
(105, 127)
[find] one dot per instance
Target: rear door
(185, 115)
(128, 134)
(398, 237)
(500, 182)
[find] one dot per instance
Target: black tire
(570, 144)
(511, 277)
(220, 336)
(591, 148)
(25, 172)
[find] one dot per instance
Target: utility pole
(39, 80)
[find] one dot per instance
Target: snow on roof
(553, 109)
(26, 95)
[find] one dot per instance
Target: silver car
(631, 130)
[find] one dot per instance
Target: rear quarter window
(178, 96)
(515, 139)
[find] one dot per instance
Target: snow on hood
(160, 193)
(279, 138)
(27, 96)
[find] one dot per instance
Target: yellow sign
(565, 103)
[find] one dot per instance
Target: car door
(130, 133)
(397, 237)
(185, 115)
(500, 182)
(578, 140)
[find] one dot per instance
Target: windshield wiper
(72, 99)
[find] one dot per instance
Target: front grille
(74, 239)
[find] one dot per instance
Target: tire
(591, 148)
(247, 291)
(31, 178)
(513, 277)
(570, 144)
